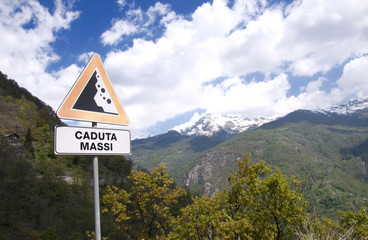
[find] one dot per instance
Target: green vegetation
(43, 196)
(143, 211)
(330, 159)
(261, 203)
(329, 153)
(170, 148)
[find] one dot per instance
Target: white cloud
(313, 97)
(323, 34)
(246, 99)
(157, 10)
(136, 21)
(55, 87)
(196, 116)
(84, 57)
(354, 80)
(27, 29)
(118, 30)
(170, 76)
(121, 3)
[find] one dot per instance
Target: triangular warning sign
(92, 97)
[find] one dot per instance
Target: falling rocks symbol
(93, 97)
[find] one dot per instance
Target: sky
(172, 60)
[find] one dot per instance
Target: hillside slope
(172, 148)
(20, 110)
(328, 151)
(43, 196)
(189, 141)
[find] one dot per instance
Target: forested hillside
(171, 148)
(328, 152)
(43, 196)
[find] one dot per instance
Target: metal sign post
(92, 98)
(96, 193)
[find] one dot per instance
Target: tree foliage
(349, 225)
(209, 218)
(272, 204)
(259, 204)
(357, 221)
(143, 211)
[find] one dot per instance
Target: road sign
(91, 141)
(92, 97)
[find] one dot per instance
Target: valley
(326, 149)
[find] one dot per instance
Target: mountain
(327, 149)
(171, 148)
(215, 124)
(353, 113)
(20, 110)
(188, 141)
(353, 107)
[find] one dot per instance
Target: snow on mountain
(353, 106)
(212, 123)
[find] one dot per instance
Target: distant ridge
(20, 110)
(211, 124)
(352, 113)
(353, 106)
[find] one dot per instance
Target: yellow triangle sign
(92, 97)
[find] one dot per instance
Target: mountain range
(212, 124)
(327, 149)
(189, 140)
(208, 130)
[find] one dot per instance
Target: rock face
(206, 172)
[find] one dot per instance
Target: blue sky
(170, 60)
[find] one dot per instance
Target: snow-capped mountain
(353, 106)
(214, 123)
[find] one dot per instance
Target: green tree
(273, 206)
(357, 222)
(28, 142)
(209, 218)
(143, 211)
(350, 225)
(260, 204)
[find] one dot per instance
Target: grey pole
(96, 193)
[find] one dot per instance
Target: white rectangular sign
(91, 141)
